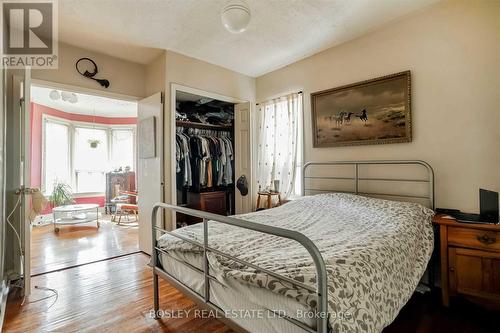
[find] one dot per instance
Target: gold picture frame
(375, 111)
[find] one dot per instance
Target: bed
(335, 261)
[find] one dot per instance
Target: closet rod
(187, 124)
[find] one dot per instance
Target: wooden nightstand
(470, 260)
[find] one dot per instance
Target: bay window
(79, 154)
(90, 164)
(122, 142)
(57, 154)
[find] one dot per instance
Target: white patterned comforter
(375, 252)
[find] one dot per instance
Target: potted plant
(94, 143)
(61, 194)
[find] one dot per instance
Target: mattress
(247, 305)
(375, 252)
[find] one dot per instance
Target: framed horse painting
(375, 111)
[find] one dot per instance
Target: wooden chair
(124, 208)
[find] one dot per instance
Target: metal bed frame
(356, 179)
(321, 286)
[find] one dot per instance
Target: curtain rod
(272, 99)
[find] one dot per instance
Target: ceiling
(280, 32)
(86, 104)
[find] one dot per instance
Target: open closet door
(242, 152)
(149, 163)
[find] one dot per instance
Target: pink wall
(37, 112)
(83, 200)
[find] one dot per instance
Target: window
(122, 141)
(279, 150)
(57, 152)
(90, 164)
(69, 157)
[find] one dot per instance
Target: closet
(205, 156)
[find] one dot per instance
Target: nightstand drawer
(474, 238)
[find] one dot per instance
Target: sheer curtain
(278, 138)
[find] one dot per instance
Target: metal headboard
(359, 182)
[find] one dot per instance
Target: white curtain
(277, 138)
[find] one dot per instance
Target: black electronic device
(447, 211)
(488, 202)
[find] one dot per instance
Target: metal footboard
(320, 290)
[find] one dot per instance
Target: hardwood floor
(116, 296)
(80, 244)
(112, 295)
(425, 314)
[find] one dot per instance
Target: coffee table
(74, 214)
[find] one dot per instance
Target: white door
(21, 107)
(149, 169)
(242, 155)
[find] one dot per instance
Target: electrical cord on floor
(20, 282)
(55, 293)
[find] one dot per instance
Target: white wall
(125, 77)
(155, 75)
(149, 170)
(453, 52)
(3, 225)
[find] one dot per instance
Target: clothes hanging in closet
(183, 156)
(204, 158)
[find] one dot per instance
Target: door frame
(84, 90)
(76, 89)
(174, 88)
(21, 92)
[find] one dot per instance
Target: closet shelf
(200, 125)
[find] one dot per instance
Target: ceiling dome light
(235, 16)
(69, 97)
(66, 96)
(54, 95)
(73, 98)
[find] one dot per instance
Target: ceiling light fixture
(235, 16)
(54, 95)
(69, 97)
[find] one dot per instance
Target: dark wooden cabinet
(470, 261)
(115, 183)
(212, 202)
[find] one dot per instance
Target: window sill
(88, 195)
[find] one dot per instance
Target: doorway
(211, 138)
(83, 159)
